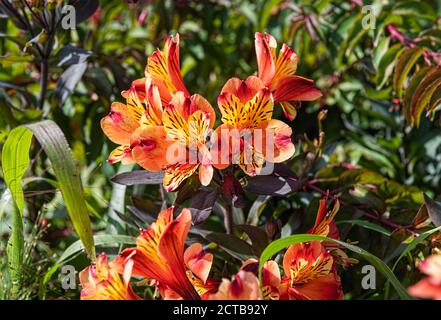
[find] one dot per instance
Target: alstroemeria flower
(102, 281)
(310, 273)
(243, 286)
(163, 68)
(137, 127)
(159, 255)
(188, 121)
(325, 226)
(429, 287)
(277, 73)
(250, 135)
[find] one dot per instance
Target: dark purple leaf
(236, 247)
(138, 177)
(434, 210)
(202, 205)
(259, 238)
(84, 9)
(273, 185)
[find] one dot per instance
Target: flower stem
(228, 219)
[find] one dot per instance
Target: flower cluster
(163, 127)
(177, 272)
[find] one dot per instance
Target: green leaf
(54, 143)
(415, 9)
(413, 84)
(280, 244)
(99, 240)
(387, 63)
(266, 12)
(15, 161)
(402, 69)
(367, 225)
(429, 86)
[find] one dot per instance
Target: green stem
(228, 219)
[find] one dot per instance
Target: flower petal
(327, 287)
(165, 66)
(259, 109)
(271, 274)
(171, 250)
(171, 51)
(102, 281)
(139, 85)
(198, 261)
(432, 266)
(324, 221)
(427, 289)
(277, 144)
(135, 108)
(154, 108)
(121, 153)
(232, 110)
(175, 125)
(221, 146)
(295, 88)
(176, 174)
(265, 46)
(305, 262)
(118, 125)
(243, 89)
(289, 109)
(286, 64)
(149, 148)
(243, 286)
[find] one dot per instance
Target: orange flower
(324, 222)
(163, 67)
(102, 281)
(247, 108)
(310, 273)
(188, 121)
(137, 127)
(182, 121)
(325, 226)
(243, 286)
(277, 73)
(429, 287)
(159, 255)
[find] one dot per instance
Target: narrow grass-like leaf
(54, 143)
(280, 244)
(367, 225)
(15, 161)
